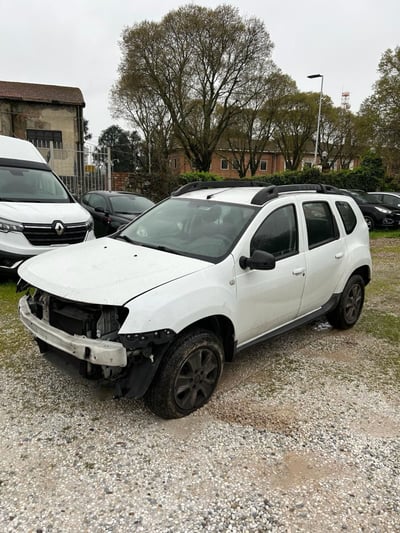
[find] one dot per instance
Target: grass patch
(8, 297)
(14, 337)
(380, 325)
(385, 234)
(383, 284)
(377, 250)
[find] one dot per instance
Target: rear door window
(321, 224)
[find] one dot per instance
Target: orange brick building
(223, 163)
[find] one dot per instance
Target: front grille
(46, 235)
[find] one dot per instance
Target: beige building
(51, 117)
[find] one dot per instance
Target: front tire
(351, 302)
(370, 223)
(187, 376)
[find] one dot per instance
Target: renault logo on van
(59, 227)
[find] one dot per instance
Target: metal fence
(81, 171)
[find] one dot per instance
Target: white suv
(159, 306)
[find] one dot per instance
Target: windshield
(130, 204)
(30, 185)
(196, 228)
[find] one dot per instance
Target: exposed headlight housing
(10, 225)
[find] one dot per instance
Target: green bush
(369, 176)
(188, 177)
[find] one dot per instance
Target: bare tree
(295, 126)
(248, 135)
(142, 107)
(198, 62)
(380, 112)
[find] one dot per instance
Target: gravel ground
(302, 435)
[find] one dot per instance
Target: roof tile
(35, 92)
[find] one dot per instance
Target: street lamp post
(312, 76)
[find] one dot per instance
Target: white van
(37, 212)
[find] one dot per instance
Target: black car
(376, 214)
(391, 199)
(112, 209)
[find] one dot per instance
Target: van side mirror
(259, 260)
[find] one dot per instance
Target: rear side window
(321, 224)
(347, 215)
(95, 200)
(277, 234)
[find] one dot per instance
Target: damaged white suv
(159, 306)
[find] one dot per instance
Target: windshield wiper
(127, 239)
(163, 248)
(148, 245)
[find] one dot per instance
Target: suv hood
(105, 271)
(43, 213)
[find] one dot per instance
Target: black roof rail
(261, 197)
(317, 187)
(226, 184)
(272, 191)
(267, 193)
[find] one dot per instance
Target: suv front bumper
(94, 351)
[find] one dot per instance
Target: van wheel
(348, 310)
(187, 376)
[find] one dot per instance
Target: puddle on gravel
(298, 469)
(378, 426)
(246, 412)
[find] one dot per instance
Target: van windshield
(31, 185)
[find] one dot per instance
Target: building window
(173, 163)
(263, 165)
(42, 138)
(224, 164)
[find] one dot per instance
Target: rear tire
(187, 376)
(348, 310)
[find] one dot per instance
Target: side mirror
(259, 260)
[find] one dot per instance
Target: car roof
(115, 193)
(391, 193)
(250, 193)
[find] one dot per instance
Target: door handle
(298, 271)
(339, 255)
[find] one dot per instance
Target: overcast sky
(76, 43)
